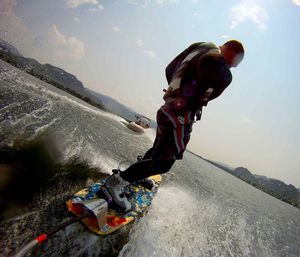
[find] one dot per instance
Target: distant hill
(48, 73)
(274, 187)
(117, 108)
(65, 81)
(8, 48)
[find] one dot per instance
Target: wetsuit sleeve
(214, 73)
(178, 59)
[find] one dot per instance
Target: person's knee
(164, 165)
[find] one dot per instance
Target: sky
(121, 49)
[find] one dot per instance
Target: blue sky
(121, 48)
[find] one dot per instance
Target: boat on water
(140, 124)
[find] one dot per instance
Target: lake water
(199, 210)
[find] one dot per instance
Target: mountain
(279, 189)
(48, 73)
(117, 108)
(65, 81)
(244, 174)
(274, 187)
(8, 48)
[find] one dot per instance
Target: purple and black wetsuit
(196, 76)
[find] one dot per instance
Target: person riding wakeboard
(196, 76)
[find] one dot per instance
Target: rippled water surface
(199, 210)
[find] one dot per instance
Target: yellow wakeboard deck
(139, 197)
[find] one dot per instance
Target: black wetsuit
(196, 76)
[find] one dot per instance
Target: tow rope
(43, 237)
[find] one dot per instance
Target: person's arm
(215, 76)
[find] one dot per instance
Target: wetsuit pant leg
(159, 158)
(146, 168)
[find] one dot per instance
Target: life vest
(201, 50)
(194, 94)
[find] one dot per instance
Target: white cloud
(150, 53)
(249, 10)
(76, 19)
(50, 46)
(166, 1)
(12, 28)
(245, 120)
(224, 36)
(7, 6)
(76, 3)
(140, 42)
(116, 29)
(96, 9)
(296, 2)
(133, 2)
(146, 2)
(233, 24)
(62, 47)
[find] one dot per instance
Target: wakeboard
(139, 196)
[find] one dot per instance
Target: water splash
(180, 224)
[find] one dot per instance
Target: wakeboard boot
(147, 183)
(139, 158)
(113, 191)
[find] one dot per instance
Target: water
(199, 210)
(202, 211)
(31, 108)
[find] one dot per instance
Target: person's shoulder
(208, 45)
(203, 48)
(215, 65)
